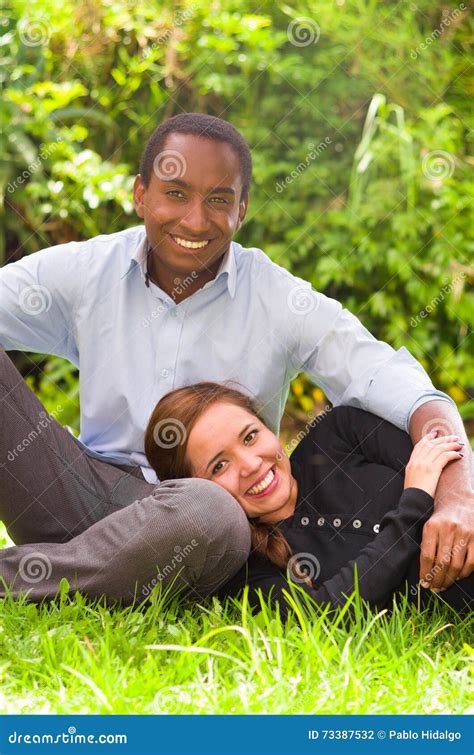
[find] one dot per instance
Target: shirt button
(164, 373)
(337, 522)
(356, 523)
(376, 527)
(304, 521)
(321, 521)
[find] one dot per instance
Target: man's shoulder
(119, 246)
(253, 263)
(126, 241)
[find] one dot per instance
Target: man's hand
(447, 546)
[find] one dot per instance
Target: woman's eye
(217, 468)
(251, 435)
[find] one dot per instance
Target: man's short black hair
(199, 124)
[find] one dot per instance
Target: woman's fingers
(443, 439)
(431, 453)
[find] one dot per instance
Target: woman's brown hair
(166, 438)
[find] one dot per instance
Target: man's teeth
(264, 484)
(190, 244)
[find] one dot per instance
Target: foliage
(170, 656)
(377, 218)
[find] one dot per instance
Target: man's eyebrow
(215, 190)
(242, 432)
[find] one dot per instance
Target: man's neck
(179, 287)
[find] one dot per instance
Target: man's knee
(9, 375)
(209, 510)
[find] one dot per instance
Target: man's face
(194, 198)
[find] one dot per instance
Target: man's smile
(188, 243)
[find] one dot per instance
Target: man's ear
(138, 196)
(243, 206)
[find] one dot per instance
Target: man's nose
(195, 220)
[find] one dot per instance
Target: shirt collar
(228, 264)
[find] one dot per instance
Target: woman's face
(230, 446)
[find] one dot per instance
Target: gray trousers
(102, 526)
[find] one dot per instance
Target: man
(149, 309)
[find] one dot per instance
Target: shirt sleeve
(378, 569)
(335, 350)
(38, 299)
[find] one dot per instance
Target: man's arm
(38, 297)
(447, 547)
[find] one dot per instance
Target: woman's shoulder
(346, 424)
(332, 419)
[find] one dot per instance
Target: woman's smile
(265, 486)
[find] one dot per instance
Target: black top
(351, 510)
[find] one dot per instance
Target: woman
(355, 493)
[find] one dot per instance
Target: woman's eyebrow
(221, 452)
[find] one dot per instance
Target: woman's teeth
(190, 244)
(264, 484)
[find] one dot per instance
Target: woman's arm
(381, 565)
(373, 437)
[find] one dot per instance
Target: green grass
(75, 656)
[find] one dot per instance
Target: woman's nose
(249, 463)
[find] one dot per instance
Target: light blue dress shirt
(254, 323)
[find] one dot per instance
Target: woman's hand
(428, 459)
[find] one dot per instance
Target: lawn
(74, 656)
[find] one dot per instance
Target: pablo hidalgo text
(449, 736)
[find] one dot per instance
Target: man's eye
(175, 191)
(217, 468)
(219, 200)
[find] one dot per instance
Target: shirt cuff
(432, 396)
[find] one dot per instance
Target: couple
(171, 303)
